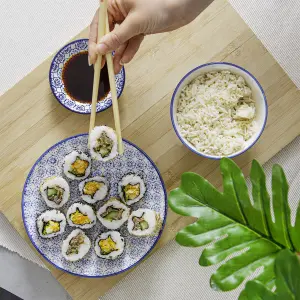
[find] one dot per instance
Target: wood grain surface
(32, 120)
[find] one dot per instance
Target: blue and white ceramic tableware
(134, 160)
(57, 85)
(257, 92)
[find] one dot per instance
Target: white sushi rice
(52, 182)
(99, 195)
(150, 216)
(117, 238)
(83, 248)
(216, 113)
(95, 135)
(114, 224)
(131, 179)
(84, 209)
(51, 215)
(70, 159)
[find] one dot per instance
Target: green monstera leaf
(287, 270)
(235, 226)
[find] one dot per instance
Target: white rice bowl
(83, 248)
(131, 179)
(114, 224)
(84, 209)
(219, 109)
(51, 215)
(117, 238)
(95, 135)
(52, 182)
(151, 217)
(70, 159)
(99, 195)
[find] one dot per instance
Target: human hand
(137, 18)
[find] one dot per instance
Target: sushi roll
(77, 165)
(109, 245)
(75, 246)
(55, 191)
(103, 143)
(144, 222)
(113, 214)
(51, 223)
(93, 189)
(81, 215)
(131, 189)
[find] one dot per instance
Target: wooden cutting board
(32, 120)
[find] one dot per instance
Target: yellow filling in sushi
(51, 227)
(91, 188)
(79, 166)
(107, 246)
(131, 191)
(79, 218)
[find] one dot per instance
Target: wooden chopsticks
(113, 89)
(97, 66)
(103, 28)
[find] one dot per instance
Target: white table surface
(30, 31)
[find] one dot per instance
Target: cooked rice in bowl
(216, 113)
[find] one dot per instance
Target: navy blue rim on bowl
(52, 89)
(173, 101)
(98, 276)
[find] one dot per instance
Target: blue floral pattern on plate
(49, 164)
(57, 85)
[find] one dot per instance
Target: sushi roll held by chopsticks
(103, 28)
(103, 143)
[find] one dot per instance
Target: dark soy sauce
(78, 79)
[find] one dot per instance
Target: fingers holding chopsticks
(124, 38)
(93, 33)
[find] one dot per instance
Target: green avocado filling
(104, 145)
(50, 227)
(78, 167)
(140, 223)
(55, 194)
(75, 243)
(112, 213)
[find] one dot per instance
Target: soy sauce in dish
(78, 79)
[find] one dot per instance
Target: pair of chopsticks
(103, 28)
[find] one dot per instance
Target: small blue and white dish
(58, 86)
(49, 164)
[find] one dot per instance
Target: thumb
(120, 35)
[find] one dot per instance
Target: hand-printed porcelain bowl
(134, 160)
(257, 94)
(57, 83)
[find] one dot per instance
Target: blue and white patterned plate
(57, 85)
(49, 164)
